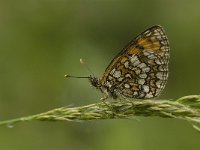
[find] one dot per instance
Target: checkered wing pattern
(140, 70)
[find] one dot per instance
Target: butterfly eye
(94, 82)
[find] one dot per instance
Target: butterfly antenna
(83, 63)
(69, 76)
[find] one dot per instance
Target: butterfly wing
(140, 70)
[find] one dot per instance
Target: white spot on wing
(149, 95)
(146, 53)
(141, 81)
(133, 58)
(159, 75)
(117, 74)
(112, 71)
(158, 61)
(162, 68)
(147, 33)
(158, 83)
(143, 75)
(156, 33)
(128, 75)
(136, 63)
(142, 65)
(127, 86)
(108, 84)
(120, 79)
(135, 93)
(141, 94)
(137, 71)
(152, 56)
(146, 69)
(126, 64)
(110, 77)
(159, 37)
(146, 88)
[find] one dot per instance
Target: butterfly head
(94, 82)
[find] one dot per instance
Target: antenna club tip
(66, 75)
(81, 61)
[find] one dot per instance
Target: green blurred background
(41, 40)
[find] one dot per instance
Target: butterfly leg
(104, 98)
(110, 107)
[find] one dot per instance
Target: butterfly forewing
(140, 70)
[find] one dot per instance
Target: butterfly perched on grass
(139, 70)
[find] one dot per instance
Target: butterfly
(139, 70)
